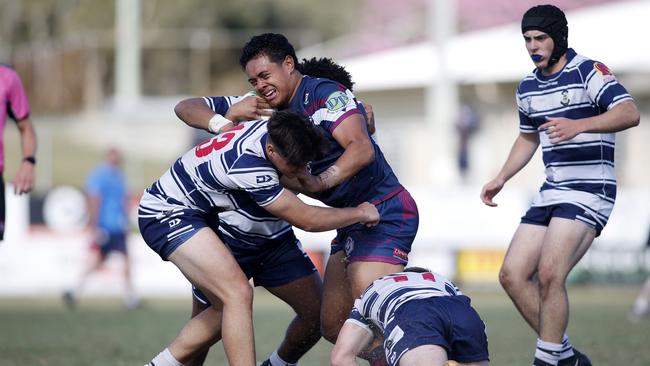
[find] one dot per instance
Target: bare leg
(304, 297)
(566, 241)
(518, 270)
(337, 297)
(427, 355)
(208, 264)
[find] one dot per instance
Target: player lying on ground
(424, 320)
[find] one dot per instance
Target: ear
(289, 63)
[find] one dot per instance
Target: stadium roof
(611, 33)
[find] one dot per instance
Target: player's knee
(549, 278)
(329, 330)
(238, 291)
(507, 278)
(340, 358)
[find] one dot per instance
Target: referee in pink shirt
(15, 105)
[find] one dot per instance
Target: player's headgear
(552, 21)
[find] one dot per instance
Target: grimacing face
(541, 44)
(271, 80)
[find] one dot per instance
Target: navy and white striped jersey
(327, 103)
(378, 303)
(580, 170)
(228, 175)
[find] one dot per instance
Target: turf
(99, 332)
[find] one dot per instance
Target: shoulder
(528, 82)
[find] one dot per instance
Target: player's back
(224, 173)
(387, 293)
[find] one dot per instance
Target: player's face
(281, 164)
(540, 47)
(271, 80)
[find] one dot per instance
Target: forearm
(357, 156)
(317, 219)
(27, 138)
(194, 112)
(520, 154)
(621, 117)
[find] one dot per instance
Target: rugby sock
(277, 361)
(567, 348)
(164, 358)
(548, 352)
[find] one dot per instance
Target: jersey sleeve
(221, 104)
(603, 88)
(17, 103)
(333, 104)
(358, 319)
(258, 178)
(525, 122)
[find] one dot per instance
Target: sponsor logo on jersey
(263, 178)
(397, 252)
(174, 222)
(565, 98)
(337, 101)
(306, 98)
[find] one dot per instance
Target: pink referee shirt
(13, 102)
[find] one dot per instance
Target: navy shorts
(446, 321)
(167, 231)
(390, 241)
(542, 215)
(268, 266)
(111, 242)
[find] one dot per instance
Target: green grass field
(100, 332)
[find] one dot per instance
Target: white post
(127, 53)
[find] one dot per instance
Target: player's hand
(24, 179)
(370, 213)
(371, 117)
(248, 109)
(490, 189)
(560, 129)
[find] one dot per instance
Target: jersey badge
(306, 98)
(349, 245)
(565, 98)
(337, 101)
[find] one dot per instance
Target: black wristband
(30, 159)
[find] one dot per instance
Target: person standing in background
(108, 223)
(572, 106)
(16, 106)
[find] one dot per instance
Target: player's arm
(520, 154)
(622, 116)
(352, 135)
(313, 218)
(196, 112)
(352, 339)
(24, 179)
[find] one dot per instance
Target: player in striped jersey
(572, 106)
(423, 317)
(235, 170)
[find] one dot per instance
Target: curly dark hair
(297, 139)
(326, 68)
(274, 45)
